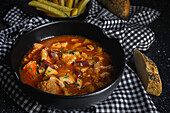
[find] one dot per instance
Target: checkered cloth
(129, 96)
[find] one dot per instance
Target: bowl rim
(120, 74)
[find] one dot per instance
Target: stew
(67, 65)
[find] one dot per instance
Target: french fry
(68, 13)
(49, 13)
(55, 1)
(69, 3)
(61, 2)
(52, 15)
(75, 3)
(83, 10)
(43, 10)
(81, 5)
(52, 10)
(74, 12)
(57, 8)
(63, 8)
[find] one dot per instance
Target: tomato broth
(67, 65)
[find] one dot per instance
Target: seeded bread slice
(121, 8)
(148, 73)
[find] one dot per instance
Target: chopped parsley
(56, 67)
(33, 77)
(68, 51)
(70, 93)
(55, 55)
(61, 52)
(49, 71)
(74, 54)
(30, 68)
(66, 76)
(66, 84)
(83, 86)
(36, 73)
(77, 84)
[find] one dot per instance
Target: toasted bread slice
(148, 73)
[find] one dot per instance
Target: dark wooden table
(159, 52)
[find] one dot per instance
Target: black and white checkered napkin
(132, 33)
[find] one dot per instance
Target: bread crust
(118, 7)
(152, 84)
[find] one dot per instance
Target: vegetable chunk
(68, 58)
(67, 65)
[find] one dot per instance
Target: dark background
(159, 52)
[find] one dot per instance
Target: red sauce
(67, 65)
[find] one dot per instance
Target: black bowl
(23, 4)
(68, 28)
